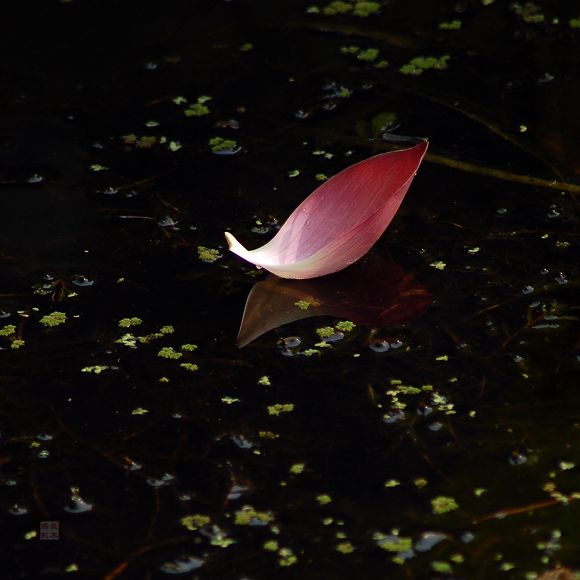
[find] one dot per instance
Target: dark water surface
(437, 437)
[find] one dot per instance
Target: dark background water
(119, 458)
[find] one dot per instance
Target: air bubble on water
(182, 565)
(241, 441)
(82, 281)
(335, 337)
(301, 114)
(289, 342)
(44, 437)
(428, 540)
(517, 458)
(260, 229)
(164, 480)
(34, 178)
(167, 222)
(393, 418)
(17, 510)
(236, 491)
(380, 346)
(502, 210)
(77, 504)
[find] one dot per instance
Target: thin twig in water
(439, 159)
(526, 508)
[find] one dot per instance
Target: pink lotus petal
(340, 221)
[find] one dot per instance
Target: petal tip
(233, 244)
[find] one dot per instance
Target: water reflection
(373, 292)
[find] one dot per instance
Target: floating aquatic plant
(339, 222)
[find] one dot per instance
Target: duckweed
(443, 504)
(420, 64)
(279, 408)
(368, 55)
(53, 319)
(8, 330)
(452, 25)
(128, 322)
(248, 516)
(325, 331)
(297, 468)
(345, 548)
(208, 255)
(195, 521)
(169, 353)
(220, 145)
(96, 369)
(189, 367)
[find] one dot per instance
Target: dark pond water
(438, 436)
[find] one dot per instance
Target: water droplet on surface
(301, 114)
(35, 178)
(435, 426)
(4, 314)
(396, 344)
(467, 537)
(502, 210)
(527, 289)
(561, 279)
